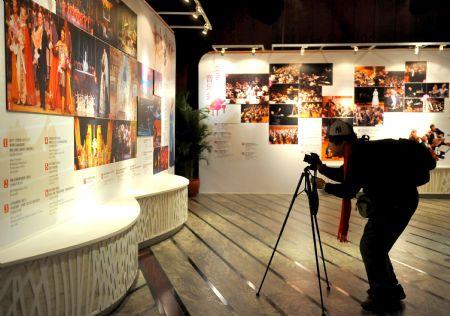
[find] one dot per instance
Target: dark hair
(432, 125)
(342, 138)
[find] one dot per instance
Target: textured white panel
(439, 183)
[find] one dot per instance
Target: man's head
(432, 127)
(339, 134)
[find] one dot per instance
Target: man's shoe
(380, 305)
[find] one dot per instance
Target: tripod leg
(281, 231)
(321, 252)
(317, 264)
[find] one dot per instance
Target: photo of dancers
(124, 83)
(145, 81)
(247, 88)
(93, 142)
(102, 61)
(283, 135)
(327, 154)
(338, 106)
(393, 101)
(85, 90)
(284, 74)
(80, 13)
(38, 60)
(284, 93)
(149, 110)
(126, 29)
(437, 90)
(283, 114)
(160, 159)
(434, 140)
(415, 71)
(316, 75)
(370, 76)
(105, 16)
(124, 140)
(255, 113)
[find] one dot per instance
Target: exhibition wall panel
(269, 109)
(87, 106)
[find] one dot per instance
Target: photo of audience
(283, 135)
(327, 154)
(370, 96)
(415, 90)
(393, 101)
(337, 106)
(370, 76)
(283, 114)
(310, 94)
(415, 71)
(284, 73)
(247, 88)
(316, 74)
(413, 105)
(284, 93)
(255, 113)
(437, 90)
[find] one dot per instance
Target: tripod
(313, 199)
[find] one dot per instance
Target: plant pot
(193, 188)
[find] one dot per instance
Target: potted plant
(191, 140)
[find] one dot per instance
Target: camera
(312, 159)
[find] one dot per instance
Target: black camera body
(313, 160)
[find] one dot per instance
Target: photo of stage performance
(247, 88)
(370, 96)
(255, 113)
(433, 104)
(149, 111)
(415, 90)
(126, 30)
(395, 79)
(415, 71)
(124, 140)
(283, 114)
(309, 109)
(102, 61)
(434, 139)
(160, 159)
(310, 94)
(437, 90)
(80, 13)
(85, 90)
(370, 76)
(124, 83)
(413, 105)
(283, 135)
(338, 106)
(38, 60)
(393, 100)
(284, 93)
(93, 142)
(327, 154)
(145, 81)
(105, 16)
(284, 74)
(316, 75)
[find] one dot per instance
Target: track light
(253, 51)
(355, 48)
(302, 51)
(222, 52)
(441, 47)
(197, 12)
(416, 50)
(187, 1)
(205, 31)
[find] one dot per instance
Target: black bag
(401, 161)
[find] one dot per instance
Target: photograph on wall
(126, 29)
(370, 76)
(369, 108)
(124, 84)
(393, 100)
(172, 132)
(157, 83)
(93, 142)
(415, 90)
(145, 81)
(284, 74)
(433, 138)
(433, 104)
(310, 93)
(156, 117)
(316, 75)
(149, 110)
(38, 61)
(327, 154)
(283, 135)
(160, 159)
(309, 109)
(124, 140)
(395, 79)
(102, 67)
(247, 88)
(437, 90)
(416, 71)
(105, 16)
(338, 106)
(283, 114)
(80, 13)
(85, 91)
(413, 105)
(284, 93)
(255, 113)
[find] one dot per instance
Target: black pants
(42, 86)
(390, 218)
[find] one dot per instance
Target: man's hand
(320, 183)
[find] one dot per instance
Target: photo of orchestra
(105, 15)
(284, 93)
(309, 109)
(415, 71)
(160, 159)
(80, 13)
(93, 142)
(370, 76)
(316, 75)
(434, 140)
(284, 74)
(395, 79)
(283, 114)
(283, 135)
(124, 140)
(255, 113)
(338, 106)
(247, 88)
(310, 94)
(126, 29)
(327, 154)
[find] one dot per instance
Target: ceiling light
(355, 48)
(441, 47)
(205, 31)
(222, 52)
(253, 51)
(187, 1)
(302, 51)
(416, 50)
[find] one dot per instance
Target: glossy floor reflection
(214, 265)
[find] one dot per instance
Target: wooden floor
(215, 263)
